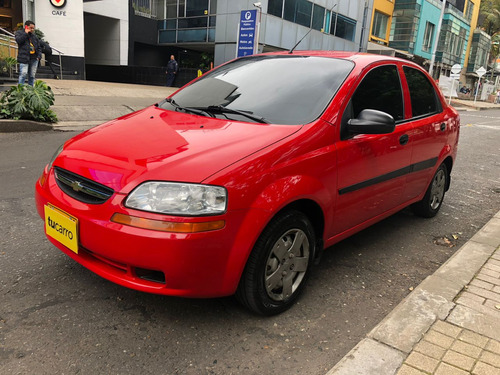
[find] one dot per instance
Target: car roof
(359, 57)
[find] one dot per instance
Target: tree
(489, 17)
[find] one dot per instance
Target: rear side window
(380, 90)
(424, 99)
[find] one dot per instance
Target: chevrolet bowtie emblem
(76, 186)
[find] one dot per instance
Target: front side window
(269, 87)
(380, 89)
(424, 100)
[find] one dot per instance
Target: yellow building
(380, 27)
(471, 12)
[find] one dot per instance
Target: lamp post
(258, 5)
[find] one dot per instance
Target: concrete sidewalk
(471, 105)
(80, 105)
(450, 324)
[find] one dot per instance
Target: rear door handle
(403, 139)
(443, 127)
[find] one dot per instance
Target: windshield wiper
(188, 109)
(247, 114)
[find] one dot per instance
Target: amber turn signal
(167, 226)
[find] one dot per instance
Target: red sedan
(238, 181)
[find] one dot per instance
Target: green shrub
(6, 65)
(28, 103)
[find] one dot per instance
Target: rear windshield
(281, 89)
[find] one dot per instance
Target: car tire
(279, 264)
(433, 198)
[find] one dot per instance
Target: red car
(237, 182)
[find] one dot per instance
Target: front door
(372, 169)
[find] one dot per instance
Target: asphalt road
(58, 318)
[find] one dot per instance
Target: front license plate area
(62, 227)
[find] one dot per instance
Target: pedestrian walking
(172, 69)
(29, 52)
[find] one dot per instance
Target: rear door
(429, 134)
(372, 168)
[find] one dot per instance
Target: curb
(18, 126)
(386, 347)
(472, 106)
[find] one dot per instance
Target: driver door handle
(403, 139)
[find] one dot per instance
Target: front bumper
(205, 264)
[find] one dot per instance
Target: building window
(470, 10)
(213, 6)
(343, 27)
(171, 8)
(428, 37)
(196, 8)
(318, 18)
(298, 11)
(275, 7)
(379, 28)
(144, 8)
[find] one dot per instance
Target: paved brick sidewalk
(449, 325)
(448, 349)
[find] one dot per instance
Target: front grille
(81, 188)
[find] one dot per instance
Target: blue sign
(247, 34)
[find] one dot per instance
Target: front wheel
(279, 264)
(433, 198)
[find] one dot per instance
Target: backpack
(46, 49)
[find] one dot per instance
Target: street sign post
(480, 72)
(456, 69)
(247, 33)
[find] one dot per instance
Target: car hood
(157, 144)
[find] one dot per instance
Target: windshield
(289, 90)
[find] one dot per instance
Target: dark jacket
(23, 42)
(172, 66)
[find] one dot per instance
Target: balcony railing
(145, 8)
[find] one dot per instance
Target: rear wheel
(279, 264)
(433, 199)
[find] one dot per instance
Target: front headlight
(175, 198)
(54, 157)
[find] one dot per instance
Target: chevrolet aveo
(237, 182)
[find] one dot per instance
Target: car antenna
(301, 39)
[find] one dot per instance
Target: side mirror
(371, 121)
